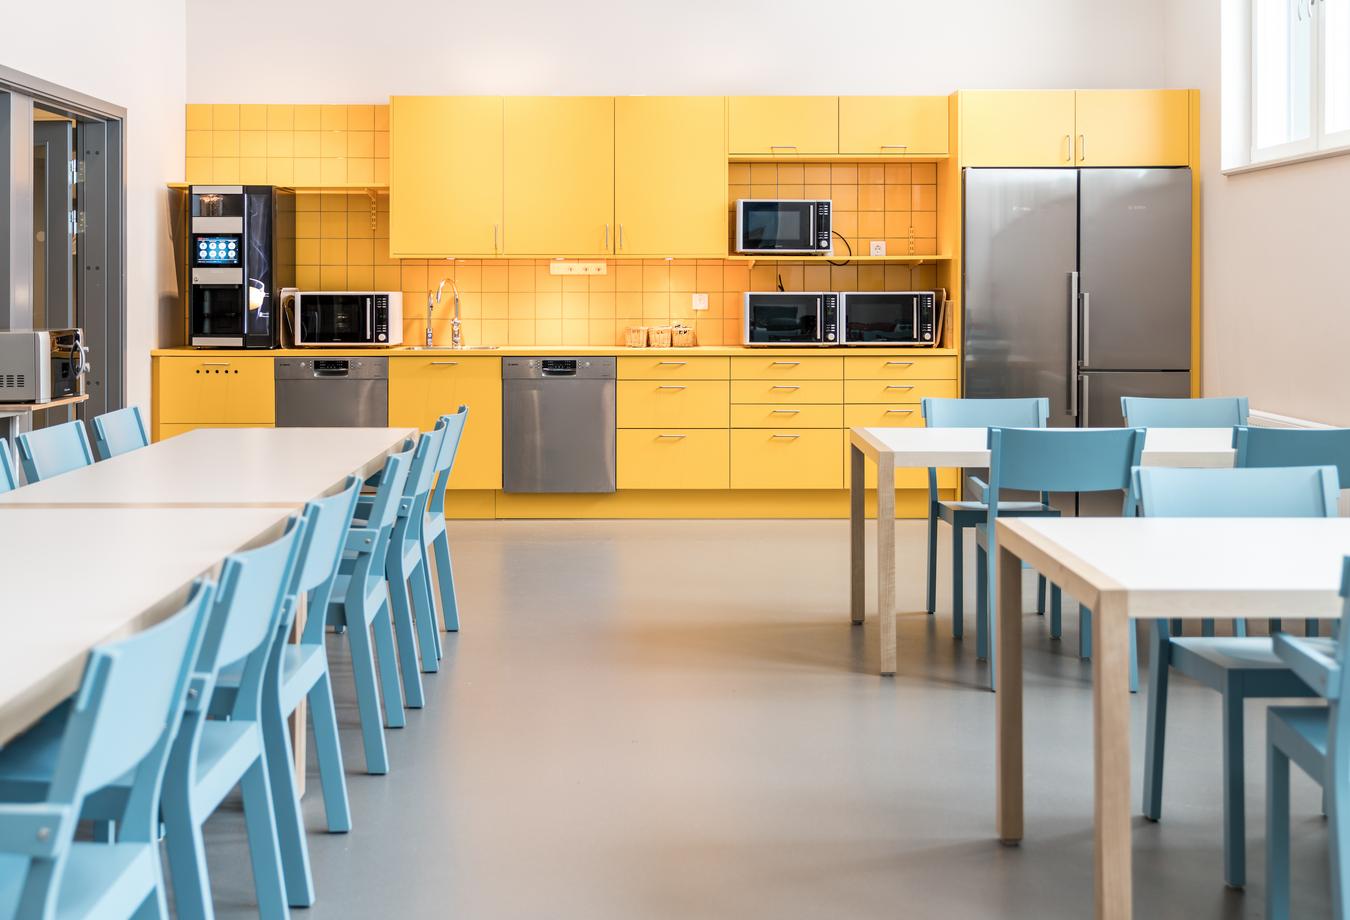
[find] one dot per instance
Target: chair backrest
(9, 478)
(327, 521)
(445, 463)
(1063, 459)
(393, 481)
(1258, 447)
(1161, 412)
(1030, 412)
(50, 452)
(119, 431)
(422, 474)
(1265, 492)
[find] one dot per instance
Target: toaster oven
(42, 365)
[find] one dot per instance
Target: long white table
(222, 467)
(1155, 568)
(894, 448)
(72, 578)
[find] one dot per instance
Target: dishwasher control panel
(597, 368)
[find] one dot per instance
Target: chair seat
(31, 757)
(1302, 733)
(301, 666)
(99, 880)
(982, 508)
(226, 750)
(1210, 658)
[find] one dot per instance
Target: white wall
(132, 54)
(365, 50)
(1276, 276)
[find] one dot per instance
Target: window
(1300, 77)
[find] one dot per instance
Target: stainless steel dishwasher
(558, 424)
(332, 392)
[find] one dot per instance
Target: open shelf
(18, 408)
(308, 189)
(837, 158)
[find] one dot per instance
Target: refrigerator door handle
(1073, 344)
(1087, 418)
(1087, 331)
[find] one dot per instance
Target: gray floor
(676, 720)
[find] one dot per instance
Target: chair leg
(1339, 817)
(323, 716)
(981, 604)
(958, 583)
(1234, 810)
(401, 610)
(390, 688)
(1207, 627)
(1176, 628)
(292, 847)
(187, 859)
(1156, 733)
(1240, 628)
(1311, 628)
(1275, 626)
(424, 615)
(368, 700)
(932, 559)
(1277, 831)
(154, 907)
(445, 579)
(1040, 595)
(428, 577)
(1056, 612)
(264, 855)
(1084, 632)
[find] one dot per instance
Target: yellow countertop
(579, 350)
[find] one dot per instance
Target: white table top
(967, 447)
(1195, 567)
(73, 578)
(222, 467)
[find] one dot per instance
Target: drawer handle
(674, 363)
(900, 411)
(784, 411)
(899, 386)
(899, 363)
(672, 437)
(787, 363)
(895, 146)
(670, 386)
(444, 363)
(215, 364)
(786, 437)
(785, 386)
(782, 146)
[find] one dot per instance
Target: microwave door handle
(820, 319)
(370, 321)
(811, 240)
(914, 332)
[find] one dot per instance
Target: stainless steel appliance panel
(558, 424)
(1135, 269)
(1101, 392)
(346, 392)
(1021, 254)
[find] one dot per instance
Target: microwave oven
(43, 365)
(791, 318)
(781, 225)
(327, 318)
(888, 317)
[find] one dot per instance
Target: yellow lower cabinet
(796, 391)
(899, 415)
(775, 416)
(646, 368)
(786, 458)
(904, 367)
(686, 404)
(770, 367)
(685, 458)
(215, 391)
(885, 391)
(423, 389)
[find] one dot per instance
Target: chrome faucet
(434, 301)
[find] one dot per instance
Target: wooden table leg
(1008, 719)
(886, 560)
(298, 717)
(1111, 757)
(857, 532)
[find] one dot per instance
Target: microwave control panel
(824, 238)
(927, 314)
(381, 319)
(829, 319)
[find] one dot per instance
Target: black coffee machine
(240, 254)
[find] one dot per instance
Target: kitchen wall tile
(361, 277)
(197, 170)
(225, 169)
(198, 117)
(495, 306)
(280, 118)
(198, 143)
(548, 305)
(381, 117)
(520, 331)
(575, 305)
(225, 143)
(360, 118)
(333, 117)
(923, 173)
(253, 143)
(925, 197)
(253, 118)
(224, 118)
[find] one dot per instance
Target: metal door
(1102, 392)
(1021, 252)
(1135, 264)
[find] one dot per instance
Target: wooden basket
(635, 336)
(659, 336)
(683, 337)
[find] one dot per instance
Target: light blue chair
(211, 757)
(1162, 412)
(119, 431)
(122, 721)
(961, 515)
(409, 572)
(49, 452)
(296, 672)
(1239, 668)
(360, 605)
(434, 538)
(9, 478)
(1318, 740)
(1052, 460)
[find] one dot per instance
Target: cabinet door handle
(444, 363)
(606, 237)
(899, 363)
(784, 411)
(785, 363)
(672, 363)
(895, 146)
(785, 386)
(215, 364)
(782, 146)
(899, 386)
(620, 237)
(670, 386)
(672, 437)
(1082, 149)
(1068, 148)
(786, 437)
(900, 411)
(495, 247)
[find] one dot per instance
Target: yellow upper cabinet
(1016, 128)
(445, 176)
(670, 176)
(892, 125)
(783, 125)
(1133, 127)
(559, 162)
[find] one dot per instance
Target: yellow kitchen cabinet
(670, 176)
(886, 391)
(644, 368)
(672, 458)
(770, 367)
(559, 175)
(883, 415)
(783, 125)
(773, 391)
(776, 416)
(892, 125)
(445, 176)
(786, 458)
(1017, 128)
(1133, 127)
(215, 390)
(684, 404)
(424, 388)
(900, 367)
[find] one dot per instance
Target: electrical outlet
(698, 301)
(578, 268)
(878, 247)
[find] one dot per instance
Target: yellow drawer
(653, 404)
(781, 368)
(785, 458)
(770, 391)
(880, 415)
(674, 368)
(883, 391)
(215, 390)
(663, 458)
(772, 416)
(900, 367)
(422, 389)
(905, 478)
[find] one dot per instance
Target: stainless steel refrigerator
(1077, 286)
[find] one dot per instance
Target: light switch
(698, 301)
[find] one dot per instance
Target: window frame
(1319, 142)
